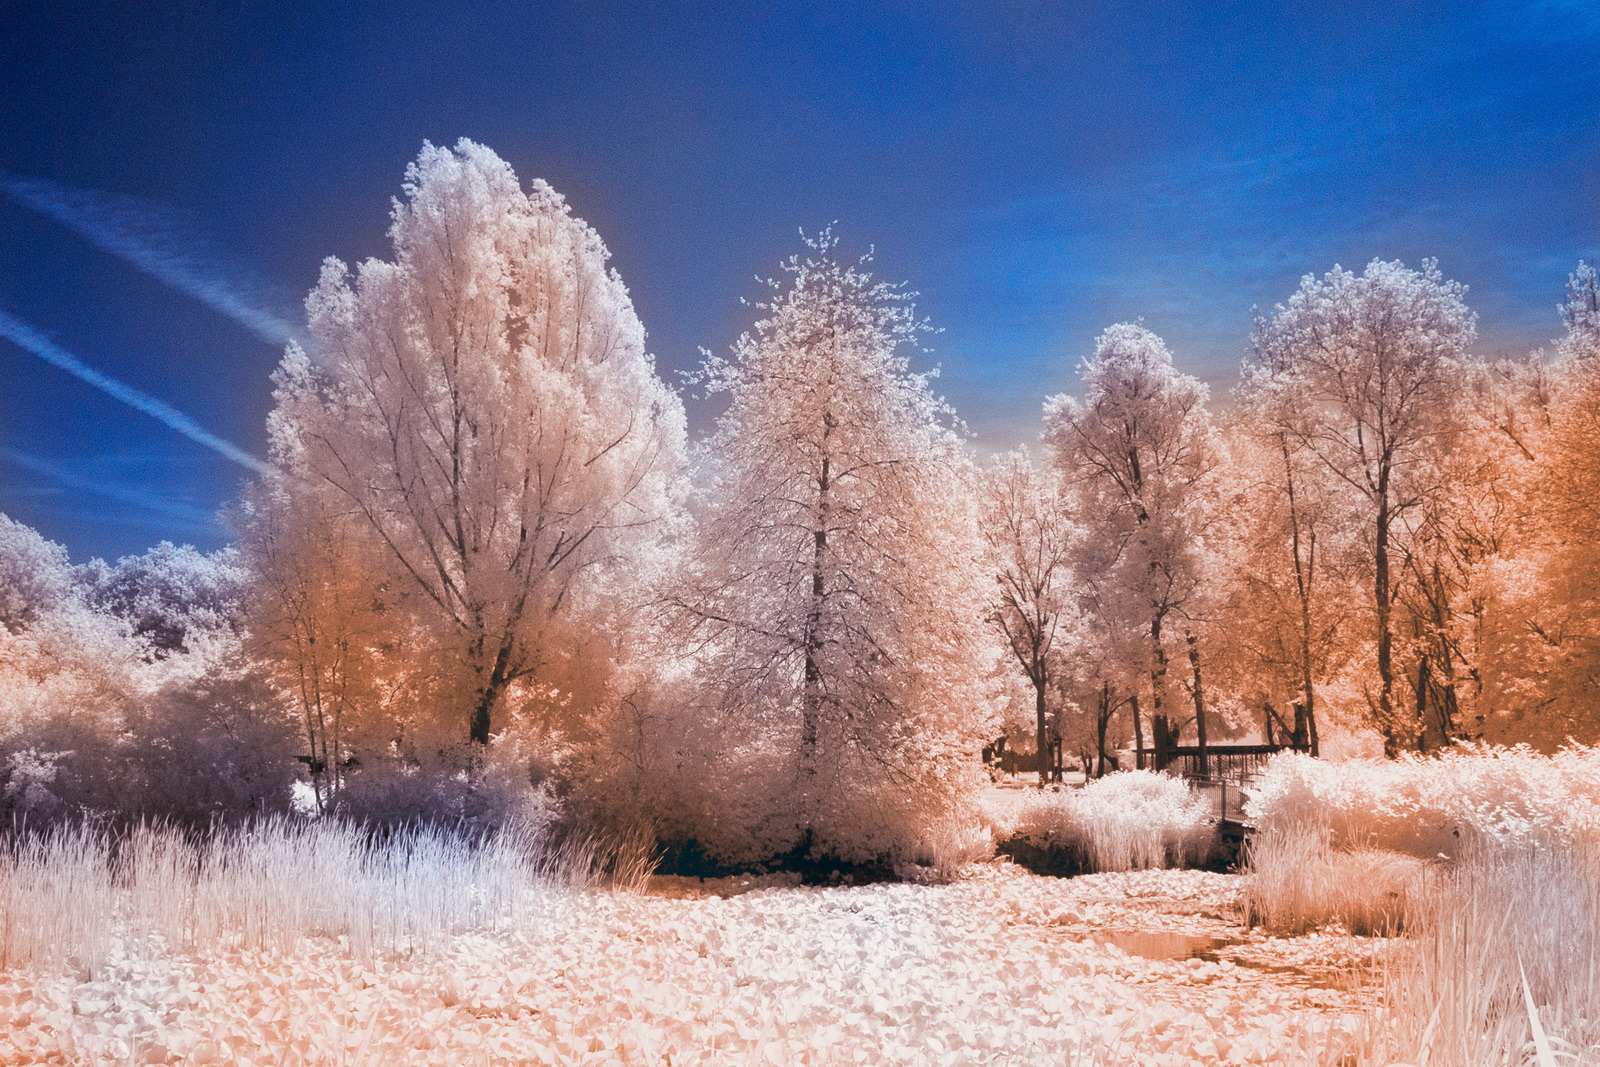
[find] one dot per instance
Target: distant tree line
(491, 579)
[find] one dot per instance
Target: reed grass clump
(68, 892)
(1504, 965)
(1134, 820)
(1297, 881)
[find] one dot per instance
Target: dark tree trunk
(1423, 684)
(1393, 742)
(1101, 725)
(489, 697)
(1161, 733)
(1138, 732)
(1041, 740)
(1201, 763)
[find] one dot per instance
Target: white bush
(67, 892)
(1430, 806)
(1127, 821)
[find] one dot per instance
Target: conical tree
(838, 585)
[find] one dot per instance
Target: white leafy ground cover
(996, 968)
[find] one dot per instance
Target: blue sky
(1035, 171)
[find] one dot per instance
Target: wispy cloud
(193, 517)
(25, 336)
(154, 241)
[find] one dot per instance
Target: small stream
(1161, 944)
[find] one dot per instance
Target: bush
(1432, 806)
(720, 792)
(1127, 821)
(221, 747)
(1298, 882)
(467, 786)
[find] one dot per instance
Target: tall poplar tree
(1365, 373)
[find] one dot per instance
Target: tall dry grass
(68, 893)
(1297, 881)
(1134, 820)
(1490, 866)
(1504, 967)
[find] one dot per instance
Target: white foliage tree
(175, 597)
(99, 714)
(1580, 314)
(1140, 451)
(1365, 373)
(837, 590)
(67, 676)
(482, 413)
(1031, 537)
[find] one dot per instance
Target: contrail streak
(147, 501)
(153, 242)
(26, 336)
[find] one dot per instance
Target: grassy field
(283, 948)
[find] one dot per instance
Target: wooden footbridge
(1222, 772)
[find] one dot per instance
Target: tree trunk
(479, 732)
(1423, 682)
(1161, 732)
(1307, 708)
(1201, 762)
(1101, 725)
(1392, 742)
(1138, 732)
(811, 694)
(1305, 563)
(1445, 699)
(483, 692)
(491, 692)
(1041, 742)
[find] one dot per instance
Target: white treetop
(1580, 314)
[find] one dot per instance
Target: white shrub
(66, 893)
(1430, 806)
(1126, 821)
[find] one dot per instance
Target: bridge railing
(1236, 763)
